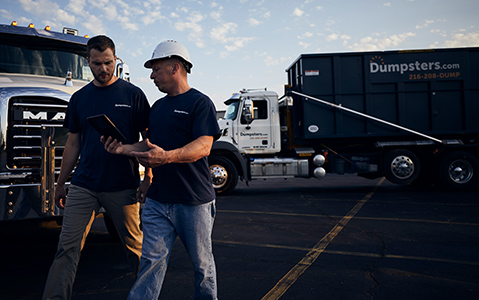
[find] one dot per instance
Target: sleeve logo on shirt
(181, 112)
(122, 105)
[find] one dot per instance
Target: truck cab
(39, 71)
(251, 122)
(254, 143)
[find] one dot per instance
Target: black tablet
(105, 127)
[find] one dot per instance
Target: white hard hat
(167, 49)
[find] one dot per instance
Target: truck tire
(459, 171)
(223, 174)
(401, 166)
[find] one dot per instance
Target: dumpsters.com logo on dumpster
(377, 64)
(416, 67)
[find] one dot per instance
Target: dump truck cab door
(254, 126)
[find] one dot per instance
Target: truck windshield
(232, 111)
(48, 62)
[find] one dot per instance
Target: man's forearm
(191, 152)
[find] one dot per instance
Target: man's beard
(102, 80)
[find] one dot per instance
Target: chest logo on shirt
(181, 112)
(122, 105)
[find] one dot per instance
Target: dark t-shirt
(127, 107)
(175, 122)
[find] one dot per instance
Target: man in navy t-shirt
(181, 199)
(100, 179)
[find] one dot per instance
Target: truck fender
(221, 148)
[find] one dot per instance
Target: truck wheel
(401, 166)
(459, 171)
(223, 175)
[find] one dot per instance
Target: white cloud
(110, 12)
(332, 37)
(223, 34)
(442, 33)
(195, 17)
(152, 16)
(224, 54)
(220, 32)
(372, 43)
(425, 24)
(4, 13)
(330, 22)
(298, 12)
(305, 35)
(195, 29)
(126, 24)
(94, 24)
(269, 61)
(218, 12)
(461, 40)
(237, 43)
(48, 10)
(253, 22)
(216, 15)
(304, 45)
(76, 6)
(132, 10)
(136, 52)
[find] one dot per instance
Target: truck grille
(26, 117)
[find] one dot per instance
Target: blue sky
(249, 43)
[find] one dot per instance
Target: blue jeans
(162, 223)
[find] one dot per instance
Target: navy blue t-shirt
(127, 107)
(175, 122)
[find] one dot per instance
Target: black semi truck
(411, 116)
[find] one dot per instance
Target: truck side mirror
(248, 111)
(123, 71)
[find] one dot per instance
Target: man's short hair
(100, 43)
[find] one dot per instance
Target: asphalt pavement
(343, 237)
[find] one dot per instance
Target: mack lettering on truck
(29, 115)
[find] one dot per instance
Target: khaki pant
(81, 207)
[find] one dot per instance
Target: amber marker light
(31, 25)
(14, 23)
(48, 28)
(87, 36)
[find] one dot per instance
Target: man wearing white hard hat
(181, 199)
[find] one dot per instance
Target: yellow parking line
(352, 253)
(357, 218)
(290, 278)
